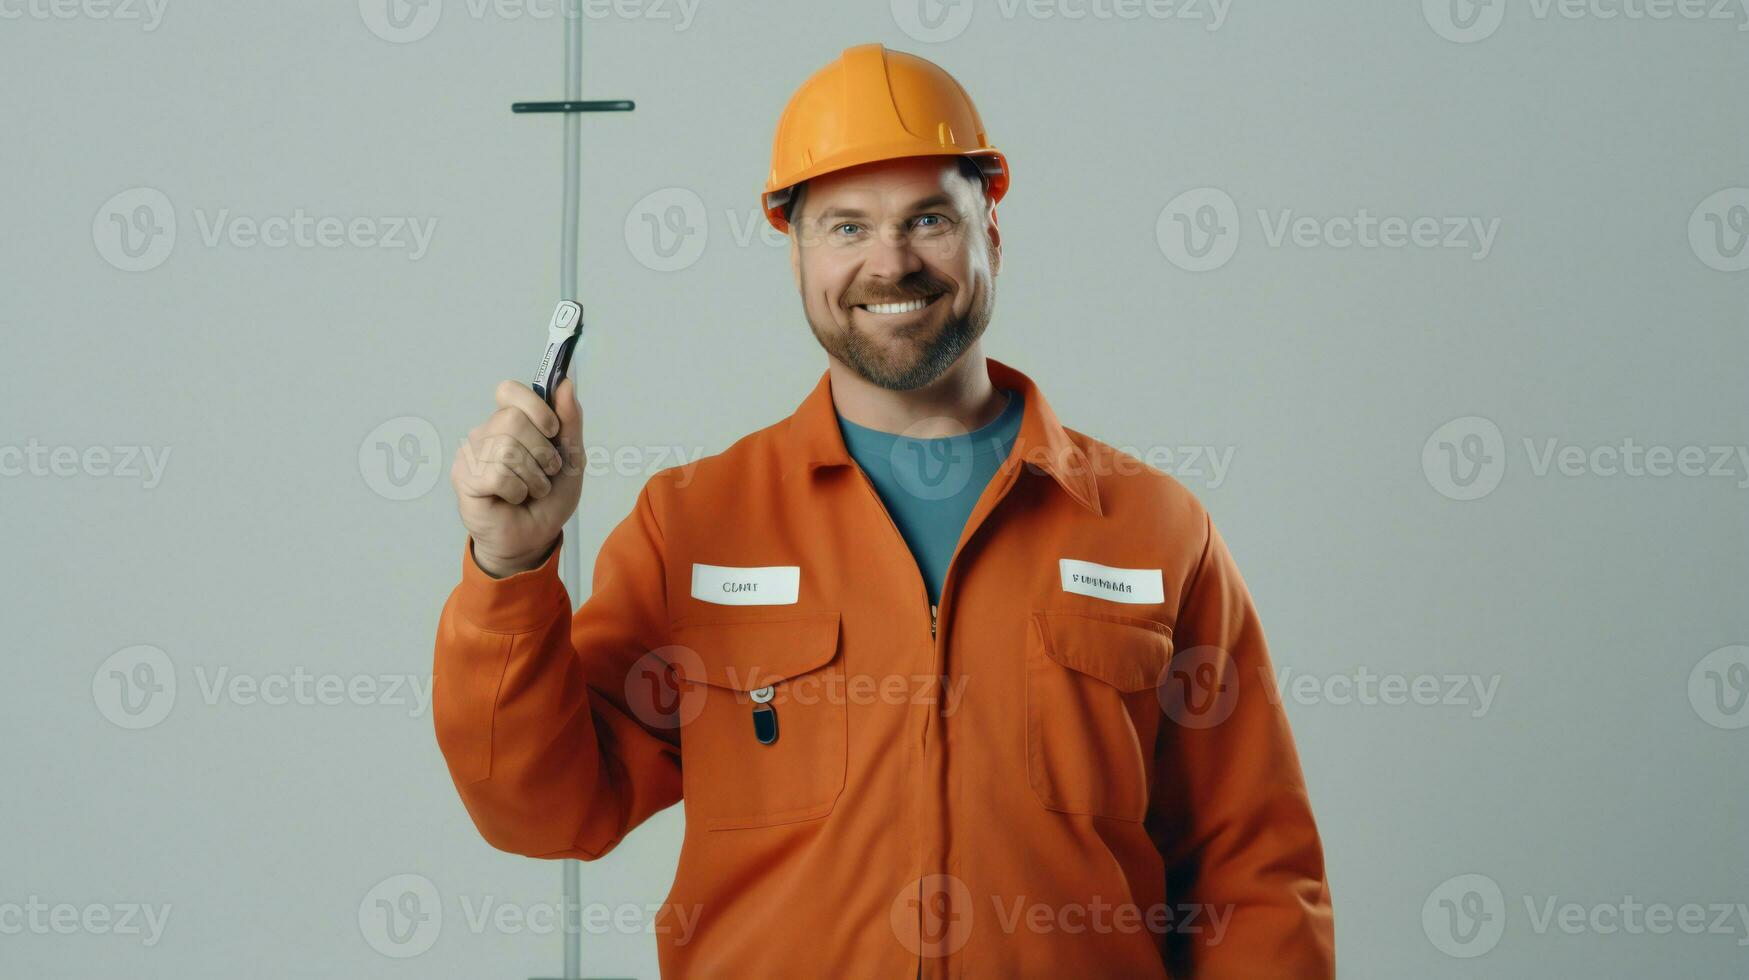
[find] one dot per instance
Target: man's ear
(995, 242)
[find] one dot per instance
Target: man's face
(896, 262)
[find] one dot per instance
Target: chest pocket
(1091, 710)
(788, 667)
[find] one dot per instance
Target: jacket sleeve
(531, 704)
(1232, 817)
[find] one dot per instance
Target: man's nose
(891, 255)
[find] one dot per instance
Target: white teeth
(911, 307)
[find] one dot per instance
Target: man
(946, 689)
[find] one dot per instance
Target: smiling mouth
(898, 309)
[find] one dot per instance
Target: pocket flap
(1126, 652)
(748, 654)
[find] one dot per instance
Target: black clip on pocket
(764, 716)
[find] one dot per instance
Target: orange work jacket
(1077, 766)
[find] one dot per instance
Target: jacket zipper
(863, 478)
(866, 482)
(933, 609)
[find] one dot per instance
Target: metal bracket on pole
(570, 566)
(586, 105)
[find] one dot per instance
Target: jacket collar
(811, 437)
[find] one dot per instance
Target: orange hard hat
(874, 104)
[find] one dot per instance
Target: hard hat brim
(990, 161)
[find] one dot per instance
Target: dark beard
(935, 355)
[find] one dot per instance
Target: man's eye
(847, 224)
(931, 221)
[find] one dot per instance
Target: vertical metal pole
(570, 562)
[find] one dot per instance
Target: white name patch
(725, 585)
(1117, 584)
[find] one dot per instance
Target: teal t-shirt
(931, 485)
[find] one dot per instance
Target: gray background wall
(1608, 765)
